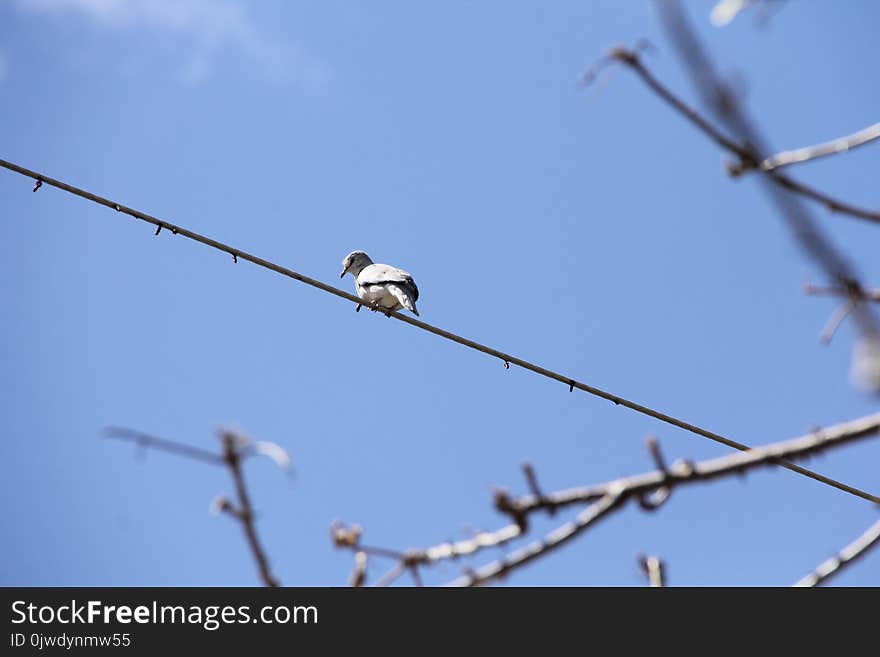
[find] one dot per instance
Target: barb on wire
(447, 335)
(836, 564)
(235, 448)
(600, 500)
(654, 569)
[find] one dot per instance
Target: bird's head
(354, 262)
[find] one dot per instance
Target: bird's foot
(376, 307)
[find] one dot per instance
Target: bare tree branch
(831, 291)
(654, 569)
(601, 499)
(608, 497)
(394, 573)
(152, 442)
(555, 539)
(833, 566)
(359, 574)
(854, 296)
(748, 150)
(752, 150)
(235, 448)
(245, 512)
(684, 472)
(834, 321)
(747, 158)
(841, 145)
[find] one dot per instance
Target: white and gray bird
(382, 287)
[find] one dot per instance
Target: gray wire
(506, 358)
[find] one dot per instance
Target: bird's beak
(344, 271)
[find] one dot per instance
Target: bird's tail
(405, 299)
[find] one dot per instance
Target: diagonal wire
(505, 357)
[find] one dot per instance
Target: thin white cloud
(206, 27)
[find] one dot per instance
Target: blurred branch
(834, 321)
(842, 145)
(833, 566)
(163, 445)
(748, 158)
(359, 574)
(726, 10)
(654, 569)
(244, 513)
(752, 150)
(830, 291)
(601, 500)
(853, 297)
(235, 448)
(348, 537)
(683, 472)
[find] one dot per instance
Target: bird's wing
(379, 274)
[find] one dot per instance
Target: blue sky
(590, 231)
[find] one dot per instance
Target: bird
(382, 287)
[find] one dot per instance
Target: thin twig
(507, 359)
(834, 321)
(854, 295)
(841, 145)
(833, 566)
(388, 578)
(181, 449)
(245, 511)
